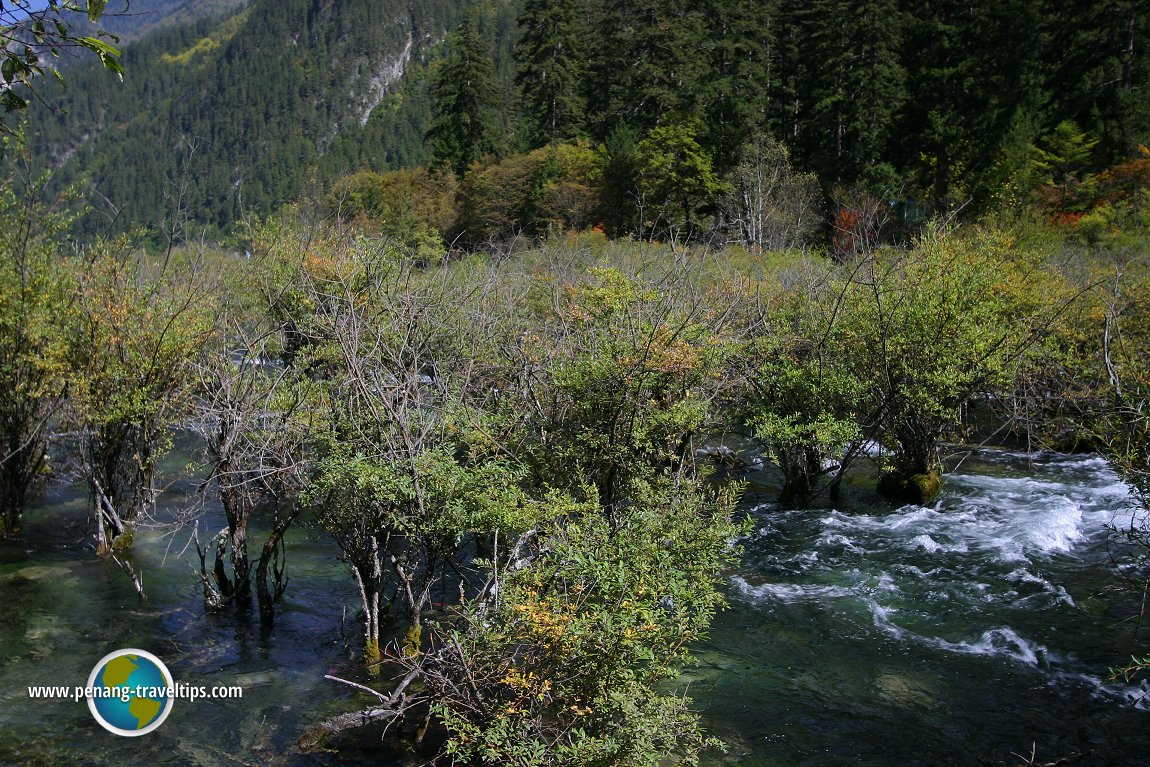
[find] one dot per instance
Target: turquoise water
(858, 635)
(953, 635)
(61, 610)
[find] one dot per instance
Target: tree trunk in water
(916, 476)
(10, 512)
(919, 489)
(112, 533)
(21, 475)
(800, 475)
(237, 510)
(368, 571)
(272, 560)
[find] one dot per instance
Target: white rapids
(965, 576)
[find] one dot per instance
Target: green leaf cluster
(573, 658)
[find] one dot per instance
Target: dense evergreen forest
(942, 106)
(125, 21)
(486, 293)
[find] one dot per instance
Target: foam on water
(1032, 519)
(1023, 577)
(962, 577)
(1003, 642)
(1136, 694)
(788, 592)
(957, 633)
(842, 541)
(926, 543)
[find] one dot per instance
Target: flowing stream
(862, 634)
(953, 635)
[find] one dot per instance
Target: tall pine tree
(944, 88)
(465, 101)
(846, 105)
(552, 64)
(742, 53)
(647, 65)
(1098, 64)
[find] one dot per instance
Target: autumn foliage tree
(34, 297)
(135, 331)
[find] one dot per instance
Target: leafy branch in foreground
(1128, 673)
(29, 36)
(563, 660)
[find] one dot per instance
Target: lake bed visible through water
(863, 634)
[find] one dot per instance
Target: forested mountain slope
(951, 105)
(133, 19)
(223, 117)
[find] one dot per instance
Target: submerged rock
(48, 573)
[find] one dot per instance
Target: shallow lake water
(61, 610)
(862, 634)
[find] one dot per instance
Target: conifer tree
(647, 65)
(742, 50)
(851, 98)
(552, 60)
(465, 101)
(1098, 66)
(937, 132)
(620, 211)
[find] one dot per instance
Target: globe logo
(131, 692)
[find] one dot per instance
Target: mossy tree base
(9, 525)
(918, 489)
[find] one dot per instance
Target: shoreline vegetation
(510, 448)
(497, 381)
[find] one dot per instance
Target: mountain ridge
(131, 20)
